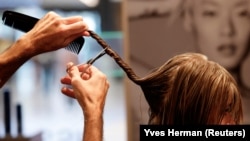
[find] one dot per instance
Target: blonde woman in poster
(221, 31)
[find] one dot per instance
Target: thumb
(74, 72)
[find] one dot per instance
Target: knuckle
(102, 76)
(75, 80)
(52, 14)
(57, 22)
(80, 18)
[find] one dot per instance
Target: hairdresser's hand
(90, 89)
(53, 32)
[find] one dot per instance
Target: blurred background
(145, 33)
(36, 85)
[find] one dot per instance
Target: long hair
(187, 89)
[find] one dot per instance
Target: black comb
(25, 23)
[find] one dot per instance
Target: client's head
(190, 89)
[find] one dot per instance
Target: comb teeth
(25, 23)
(76, 45)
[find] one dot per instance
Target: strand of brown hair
(128, 70)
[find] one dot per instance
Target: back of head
(189, 89)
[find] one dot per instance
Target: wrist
(25, 47)
(93, 115)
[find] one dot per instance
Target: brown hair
(187, 89)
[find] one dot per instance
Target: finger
(69, 65)
(68, 92)
(85, 76)
(82, 66)
(66, 80)
(70, 38)
(49, 17)
(86, 33)
(51, 14)
(85, 72)
(74, 72)
(72, 19)
(79, 28)
(92, 72)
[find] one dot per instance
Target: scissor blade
(99, 55)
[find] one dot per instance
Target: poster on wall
(160, 29)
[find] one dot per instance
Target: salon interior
(34, 90)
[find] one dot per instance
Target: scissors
(92, 60)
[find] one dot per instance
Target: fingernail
(69, 65)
